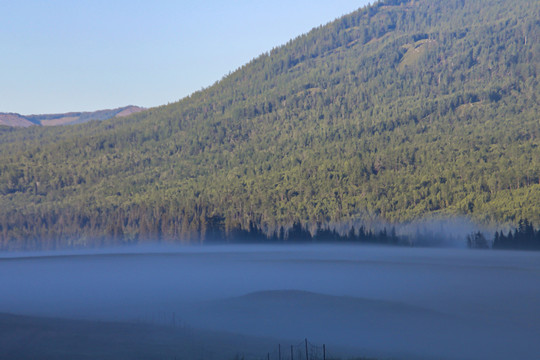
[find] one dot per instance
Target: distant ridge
(15, 120)
(18, 120)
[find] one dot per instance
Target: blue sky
(65, 55)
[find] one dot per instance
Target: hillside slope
(18, 120)
(398, 111)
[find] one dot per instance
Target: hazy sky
(65, 55)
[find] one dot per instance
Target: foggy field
(359, 300)
(23, 337)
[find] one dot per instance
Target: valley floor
(29, 337)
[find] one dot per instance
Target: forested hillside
(398, 111)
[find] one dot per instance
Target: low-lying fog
(379, 301)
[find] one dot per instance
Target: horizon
(98, 56)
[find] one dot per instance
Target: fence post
(324, 352)
(279, 351)
(292, 357)
(307, 358)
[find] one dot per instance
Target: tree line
(523, 237)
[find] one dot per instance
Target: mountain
(10, 119)
(399, 111)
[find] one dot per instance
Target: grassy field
(26, 337)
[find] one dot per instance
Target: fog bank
(381, 301)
